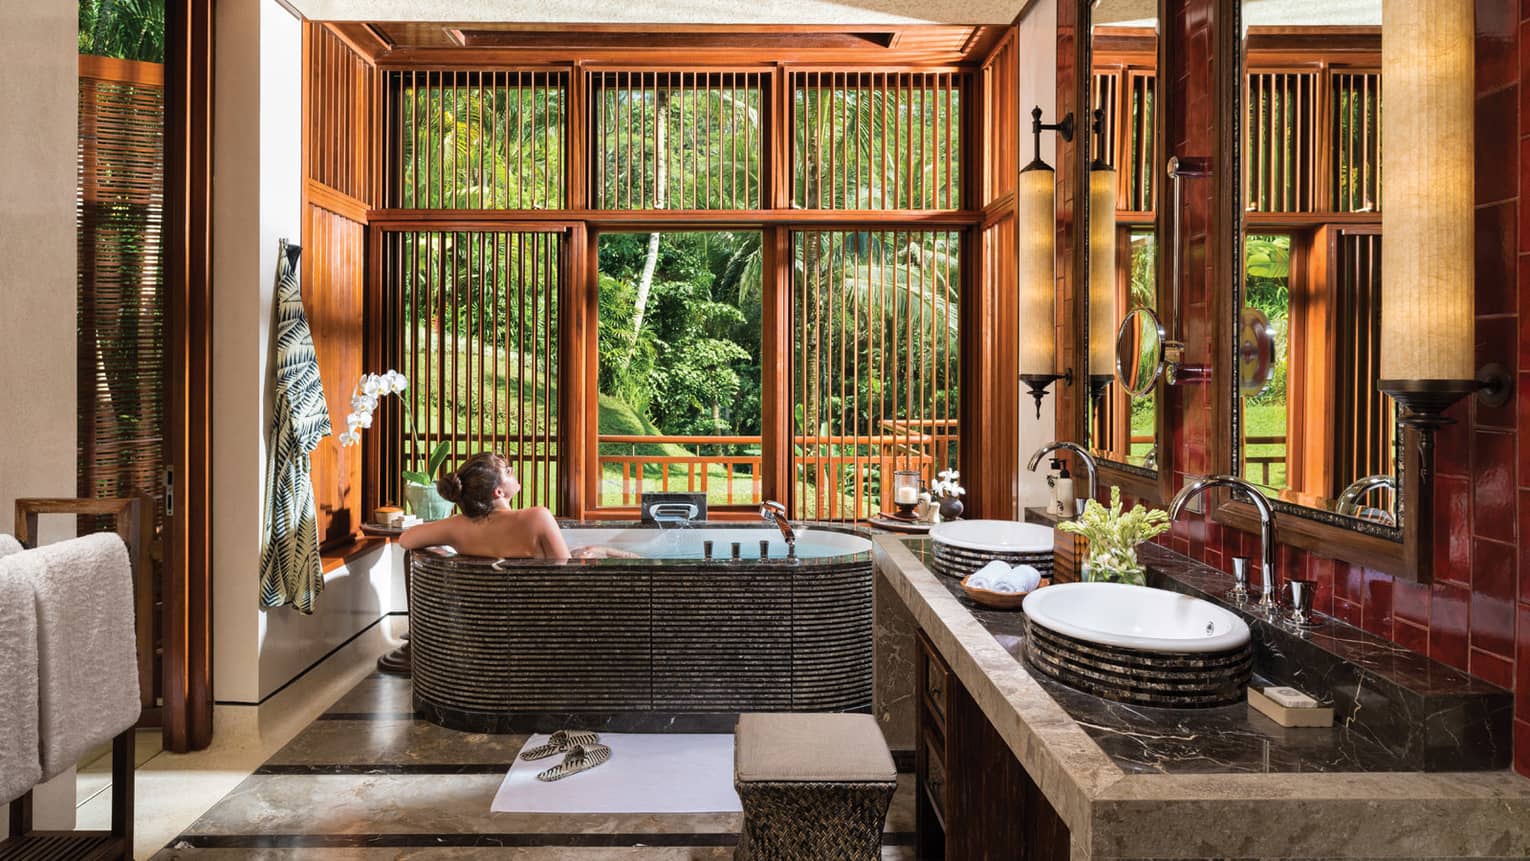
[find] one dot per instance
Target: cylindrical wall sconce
(1036, 195)
(1102, 265)
(1428, 302)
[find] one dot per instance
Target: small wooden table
(398, 661)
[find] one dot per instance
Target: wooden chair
(24, 844)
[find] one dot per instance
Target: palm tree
(125, 29)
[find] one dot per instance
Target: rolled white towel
(1027, 577)
(20, 766)
(8, 545)
(87, 655)
(980, 581)
(994, 569)
(1006, 584)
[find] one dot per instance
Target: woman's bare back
(531, 533)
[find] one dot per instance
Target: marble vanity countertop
(1127, 804)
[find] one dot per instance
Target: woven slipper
(559, 742)
(581, 758)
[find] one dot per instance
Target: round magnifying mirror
(1139, 351)
(1256, 353)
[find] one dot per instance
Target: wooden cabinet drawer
(934, 780)
(935, 682)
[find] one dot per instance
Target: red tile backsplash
(1476, 615)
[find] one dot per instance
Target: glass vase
(1107, 569)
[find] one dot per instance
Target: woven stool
(813, 786)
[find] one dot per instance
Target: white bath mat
(647, 773)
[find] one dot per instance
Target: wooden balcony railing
(692, 473)
(844, 472)
(1263, 462)
(836, 466)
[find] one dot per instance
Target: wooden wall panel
(340, 169)
(333, 277)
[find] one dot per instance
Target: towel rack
(132, 522)
(25, 844)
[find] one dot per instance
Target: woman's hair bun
(450, 487)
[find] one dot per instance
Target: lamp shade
(1102, 271)
(1037, 268)
(1427, 271)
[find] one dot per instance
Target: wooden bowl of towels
(999, 600)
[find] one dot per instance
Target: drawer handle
(935, 688)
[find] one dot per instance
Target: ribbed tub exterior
(496, 648)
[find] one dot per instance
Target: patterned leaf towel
(290, 569)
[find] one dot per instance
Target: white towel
(8, 545)
(87, 656)
(20, 768)
(1027, 578)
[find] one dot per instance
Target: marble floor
(366, 780)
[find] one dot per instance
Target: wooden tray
(893, 524)
(999, 600)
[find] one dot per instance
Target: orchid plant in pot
(1113, 537)
(419, 487)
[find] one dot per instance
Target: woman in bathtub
(483, 487)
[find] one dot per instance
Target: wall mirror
(1309, 427)
(1120, 273)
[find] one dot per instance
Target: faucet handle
(1239, 592)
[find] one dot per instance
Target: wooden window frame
(988, 447)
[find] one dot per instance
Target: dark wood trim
(1149, 488)
(1412, 556)
(578, 357)
(645, 220)
(776, 404)
(318, 194)
(361, 38)
(187, 590)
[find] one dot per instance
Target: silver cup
(1239, 592)
(1302, 594)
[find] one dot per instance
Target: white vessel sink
(1136, 617)
(995, 536)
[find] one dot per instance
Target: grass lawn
(1265, 421)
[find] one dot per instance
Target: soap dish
(999, 600)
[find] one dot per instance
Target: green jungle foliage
(125, 29)
(1267, 287)
(693, 368)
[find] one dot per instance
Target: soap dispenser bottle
(1067, 494)
(1054, 471)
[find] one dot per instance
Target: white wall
(257, 200)
(1037, 43)
(38, 134)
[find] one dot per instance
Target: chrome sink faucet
(1269, 600)
(774, 512)
(1077, 451)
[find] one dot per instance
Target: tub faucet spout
(775, 513)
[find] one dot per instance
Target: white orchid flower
(396, 382)
(349, 438)
(372, 386)
(358, 420)
(363, 403)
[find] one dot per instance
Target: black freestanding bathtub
(668, 642)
